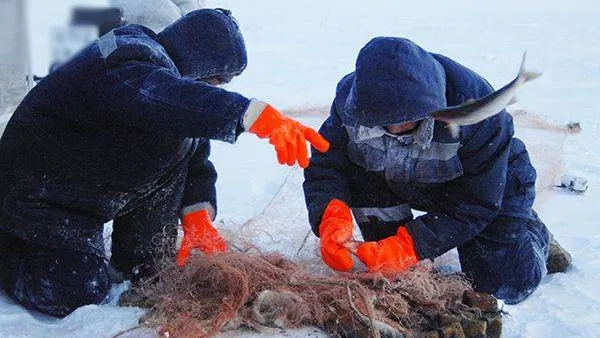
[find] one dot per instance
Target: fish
(475, 111)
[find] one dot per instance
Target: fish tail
(454, 129)
(525, 75)
(530, 75)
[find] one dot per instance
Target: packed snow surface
(297, 53)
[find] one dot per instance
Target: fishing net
(257, 291)
(545, 141)
(274, 277)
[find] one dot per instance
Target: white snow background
(298, 50)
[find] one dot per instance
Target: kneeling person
(389, 156)
(121, 132)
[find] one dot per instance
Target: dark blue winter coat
(100, 132)
(461, 183)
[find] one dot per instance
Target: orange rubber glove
(199, 233)
(335, 230)
(390, 255)
(287, 135)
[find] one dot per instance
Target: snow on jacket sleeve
(143, 88)
(470, 202)
(201, 178)
(325, 177)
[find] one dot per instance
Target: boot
(558, 258)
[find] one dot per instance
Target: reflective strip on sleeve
(107, 44)
(197, 207)
(389, 214)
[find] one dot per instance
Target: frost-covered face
(402, 128)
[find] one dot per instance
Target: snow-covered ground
(297, 53)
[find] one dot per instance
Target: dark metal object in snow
(573, 183)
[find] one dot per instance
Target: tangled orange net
(228, 291)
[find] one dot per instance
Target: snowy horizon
(298, 51)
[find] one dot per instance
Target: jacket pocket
(437, 171)
(437, 164)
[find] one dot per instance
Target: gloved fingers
(337, 209)
(302, 152)
(220, 246)
(280, 147)
(183, 253)
(336, 229)
(317, 141)
(368, 253)
(336, 257)
(386, 256)
(213, 244)
(341, 235)
(291, 151)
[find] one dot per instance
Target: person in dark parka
(389, 156)
(121, 132)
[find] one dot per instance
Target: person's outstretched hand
(287, 135)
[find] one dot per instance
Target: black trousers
(52, 281)
(57, 280)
